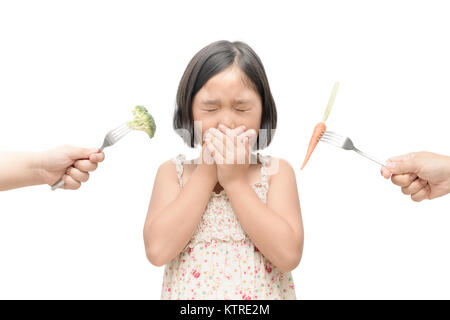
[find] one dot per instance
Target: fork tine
(122, 126)
(331, 138)
(119, 132)
(120, 135)
(332, 142)
(332, 134)
(117, 128)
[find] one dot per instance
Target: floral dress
(220, 261)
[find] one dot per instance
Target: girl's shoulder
(277, 167)
(172, 168)
(180, 159)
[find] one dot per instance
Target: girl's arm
(276, 228)
(174, 213)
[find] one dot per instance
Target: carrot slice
(318, 131)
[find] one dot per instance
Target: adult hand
(423, 175)
(73, 162)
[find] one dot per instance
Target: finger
(237, 131)
(70, 183)
(251, 134)
(385, 172)
(215, 153)
(403, 180)
(235, 151)
(221, 152)
(206, 154)
(225, 140)
(85, 165)
(415, 186)
(403, 164)
(217, 142)
(77, 175)
(422, 194)
(231, 132)
(210, 147)
(247, 151)
(400, 157)
(75, 153)
(97, 157)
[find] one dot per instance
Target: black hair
(210, 61)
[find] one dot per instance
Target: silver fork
(111, 138)
(345, 143)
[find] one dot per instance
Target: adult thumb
(403, 164)
(79, 152)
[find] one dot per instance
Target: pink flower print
(268, 268)
(189, 250)
(256, 249)
(195, 273)
(245, 297)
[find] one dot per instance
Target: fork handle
(369, 157)
(57, 185)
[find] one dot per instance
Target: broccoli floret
(142, 121)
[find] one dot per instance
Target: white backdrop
(70, 71)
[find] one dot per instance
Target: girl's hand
(73, 163)
(231, 152)
(207, 164)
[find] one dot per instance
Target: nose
(228, 120)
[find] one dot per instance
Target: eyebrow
(216, 101)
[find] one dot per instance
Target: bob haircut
(210, 61)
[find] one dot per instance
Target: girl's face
(227, 99)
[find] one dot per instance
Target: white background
(70, 71)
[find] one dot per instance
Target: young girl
(225, 228)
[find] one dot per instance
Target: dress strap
(178, 160)
(264, 162)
